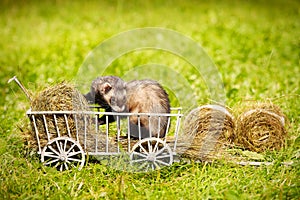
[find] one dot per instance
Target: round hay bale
(61, 97)
(261, 128)
(207, 129)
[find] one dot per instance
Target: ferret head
(108, 91)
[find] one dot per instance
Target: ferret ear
(106, 87)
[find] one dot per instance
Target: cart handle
(21, 86)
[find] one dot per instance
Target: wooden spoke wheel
(150, 154)
(63, 153)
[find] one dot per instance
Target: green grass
(254, 44)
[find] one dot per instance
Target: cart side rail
(96, 138)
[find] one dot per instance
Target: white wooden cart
(66, 138)
(90, 138)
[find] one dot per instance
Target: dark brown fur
(110, 93)
(138, 96)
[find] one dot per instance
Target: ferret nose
(119, 109)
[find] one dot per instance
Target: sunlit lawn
(254, 45)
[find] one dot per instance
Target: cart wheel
(151, 153)
(63, 153)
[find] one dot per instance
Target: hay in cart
(61, 97)
(207, 129)
(261, 127)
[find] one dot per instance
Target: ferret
(137, 96)
(109, 92)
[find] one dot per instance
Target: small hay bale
(261, 127)
(207, 129)
(60, 97)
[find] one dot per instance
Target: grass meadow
(255, 46)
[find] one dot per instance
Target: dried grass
(207, 129)
(61, 97)
(261, 127)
